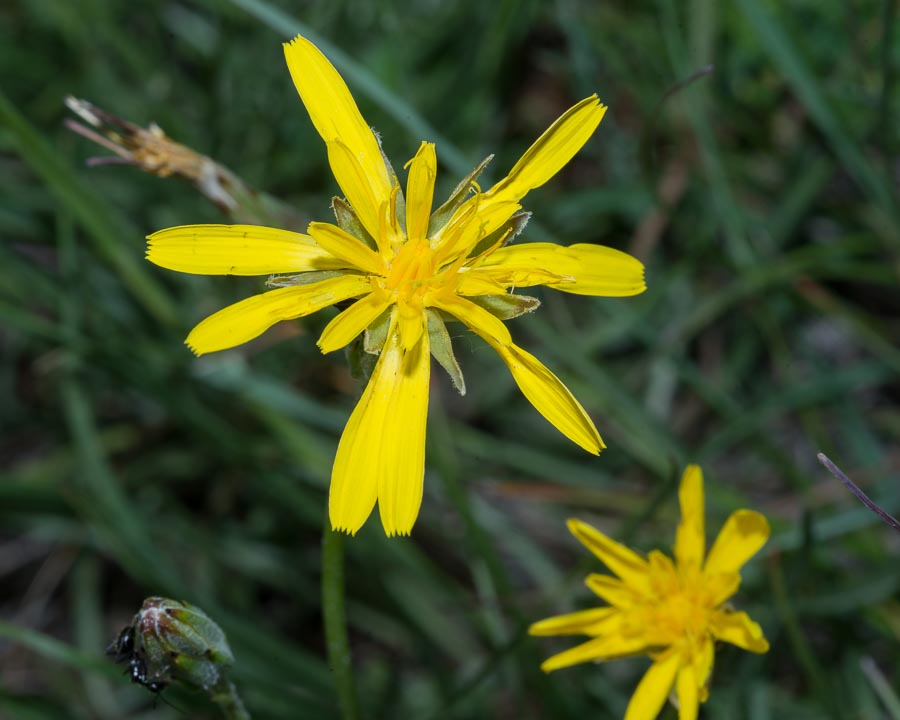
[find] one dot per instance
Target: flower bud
(173, 641)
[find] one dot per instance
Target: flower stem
(335, 620)
(225, 695)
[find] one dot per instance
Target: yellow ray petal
(400, 482)
(410, 323)
(354, 476)
(467, 228)
(551, 151)
(625, 563)
(343, 245)
(475, 317)
(473, 284)
(690, 538)
(382, 450)
(664, 577)
(581, 269)
(237, 250)
(549, 396)
(738, 629)
(447, 234)
(702, 660)
(595, 621)
(249, 318)
(368, 204)
(420, 191)
(653, 689)
(336, 117)
(345, 326)
(743, 534)
(721, 586)
(688, 691)
(608, 647)
(496, 280)
(613, 590)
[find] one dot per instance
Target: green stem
(335, 620)
(225, 695)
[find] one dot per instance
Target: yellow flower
(672, 611)
(408, 269)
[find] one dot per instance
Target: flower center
(681, 608)
(412, 271)
(684, 615)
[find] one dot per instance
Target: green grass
(762, 198)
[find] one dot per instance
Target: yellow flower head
(672, 611)
(408, 268)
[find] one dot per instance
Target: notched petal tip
(157, 234)
(344, 530)
(343, 519)
(294, 42)
(597, 102)
(395, 532)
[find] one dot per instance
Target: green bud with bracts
(171, 641)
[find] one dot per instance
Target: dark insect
(122, 650)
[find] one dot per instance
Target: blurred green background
(762, 197)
